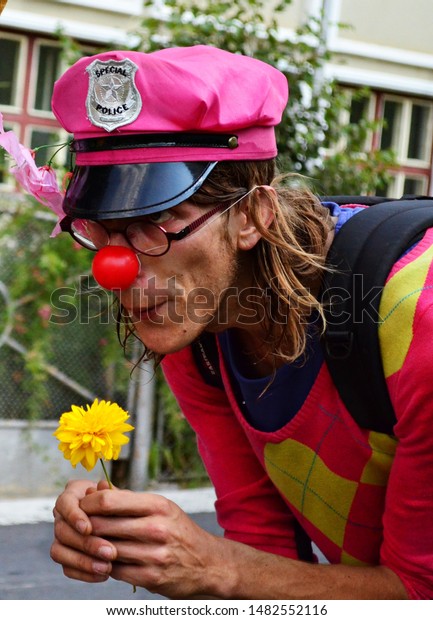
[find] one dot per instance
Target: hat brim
(130, 190)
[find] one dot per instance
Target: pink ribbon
(39, 182)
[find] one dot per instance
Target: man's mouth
(152, 313)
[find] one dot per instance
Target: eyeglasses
(144, 236)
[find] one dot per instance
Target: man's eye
(160, 217)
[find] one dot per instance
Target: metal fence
(58, 346)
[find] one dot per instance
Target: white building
(386, 46)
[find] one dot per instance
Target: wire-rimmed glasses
(144, 236)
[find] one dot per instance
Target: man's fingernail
(81, 526)
(101, 567)
(106, 553)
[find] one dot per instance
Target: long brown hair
(288, 260)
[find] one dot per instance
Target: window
(416, 186)
(402, 184)
(4, 166)
(25, 98)
(358, 111)
(420, 129)
(408, 130)
(392, 112)
(41, 137)
(9, 54)
(47, 70)
(6, 179)
(359, 108)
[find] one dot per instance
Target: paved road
(28, 573)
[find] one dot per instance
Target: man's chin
(164, 341)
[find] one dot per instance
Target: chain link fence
(58, 346)
(55, 332)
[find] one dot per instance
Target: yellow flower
(87, 435)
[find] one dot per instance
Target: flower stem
(106, 474)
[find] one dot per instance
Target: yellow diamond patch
(322, 496)
(397, 312)
(379, 465)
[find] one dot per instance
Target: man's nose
(115, 267)
(119, 238)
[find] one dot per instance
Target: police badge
(113, 99)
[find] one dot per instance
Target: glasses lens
(89, 234)
(147, 238)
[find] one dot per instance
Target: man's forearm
(251, 574)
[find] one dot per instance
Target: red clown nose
(115, 267)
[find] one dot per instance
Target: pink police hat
(149, 128)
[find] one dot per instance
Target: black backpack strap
(363, 253)
(303, 543)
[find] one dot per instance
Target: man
(175, 164)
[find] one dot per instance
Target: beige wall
(391, 23)
(388, 43)
(86, 22)
(295, 14)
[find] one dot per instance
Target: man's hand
(140, 538)
(146, 540)
(82, 555)
(157, 544)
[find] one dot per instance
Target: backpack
(361, 256)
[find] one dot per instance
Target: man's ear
(249, 235)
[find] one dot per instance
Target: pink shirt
(364, 498)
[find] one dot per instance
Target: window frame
(34, 72)
(370, 115)
(398, 179)
(407, 168)
(9, 185)
(56, 153)
(17, 105)
(401, 145)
